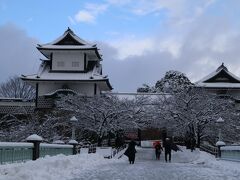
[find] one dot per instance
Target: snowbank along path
(185, 165)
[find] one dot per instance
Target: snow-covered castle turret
(72, 65)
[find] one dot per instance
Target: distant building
(221, 82)
(72, 65)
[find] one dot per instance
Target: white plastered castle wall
(65, 60)
(82, 88)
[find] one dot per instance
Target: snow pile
(51, 168)
(185, 156)
(210, 161)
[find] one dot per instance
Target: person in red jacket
(158, 150)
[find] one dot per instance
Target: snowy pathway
(184, 166)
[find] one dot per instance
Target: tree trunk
(99, 141)
(198, 139)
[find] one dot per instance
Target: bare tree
(14, 87)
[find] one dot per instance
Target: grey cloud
(18, 52)
(132, 72)
(199, 55)
(208, 43)
(218, 43)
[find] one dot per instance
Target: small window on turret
(60, 63)
(75, 64)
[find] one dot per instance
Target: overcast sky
(139, 39)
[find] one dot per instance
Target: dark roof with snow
(220, 78)
(68, 41)
(93, 75)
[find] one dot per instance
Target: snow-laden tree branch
(191, 111)
(105, 114)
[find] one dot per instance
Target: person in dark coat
(130, 152)
(168, 149)
(192, 143)
(158, 149)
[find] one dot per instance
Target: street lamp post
(73, 121)
(219, 143)
(219, 121)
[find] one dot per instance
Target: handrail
(55, 145)
(55, 149)
(15, 152)
(231, 152)
(11, 152)
(209, 149)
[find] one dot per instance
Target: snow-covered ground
(185, 165)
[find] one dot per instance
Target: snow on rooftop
(201, 82)
(72, 34)
(50, 46)
(44, 74)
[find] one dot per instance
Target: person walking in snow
(168, 149)
(158, 149)
(130, 152)
(192, 143)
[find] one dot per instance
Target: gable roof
(221, 78)
(68, 41)
(68, 38)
